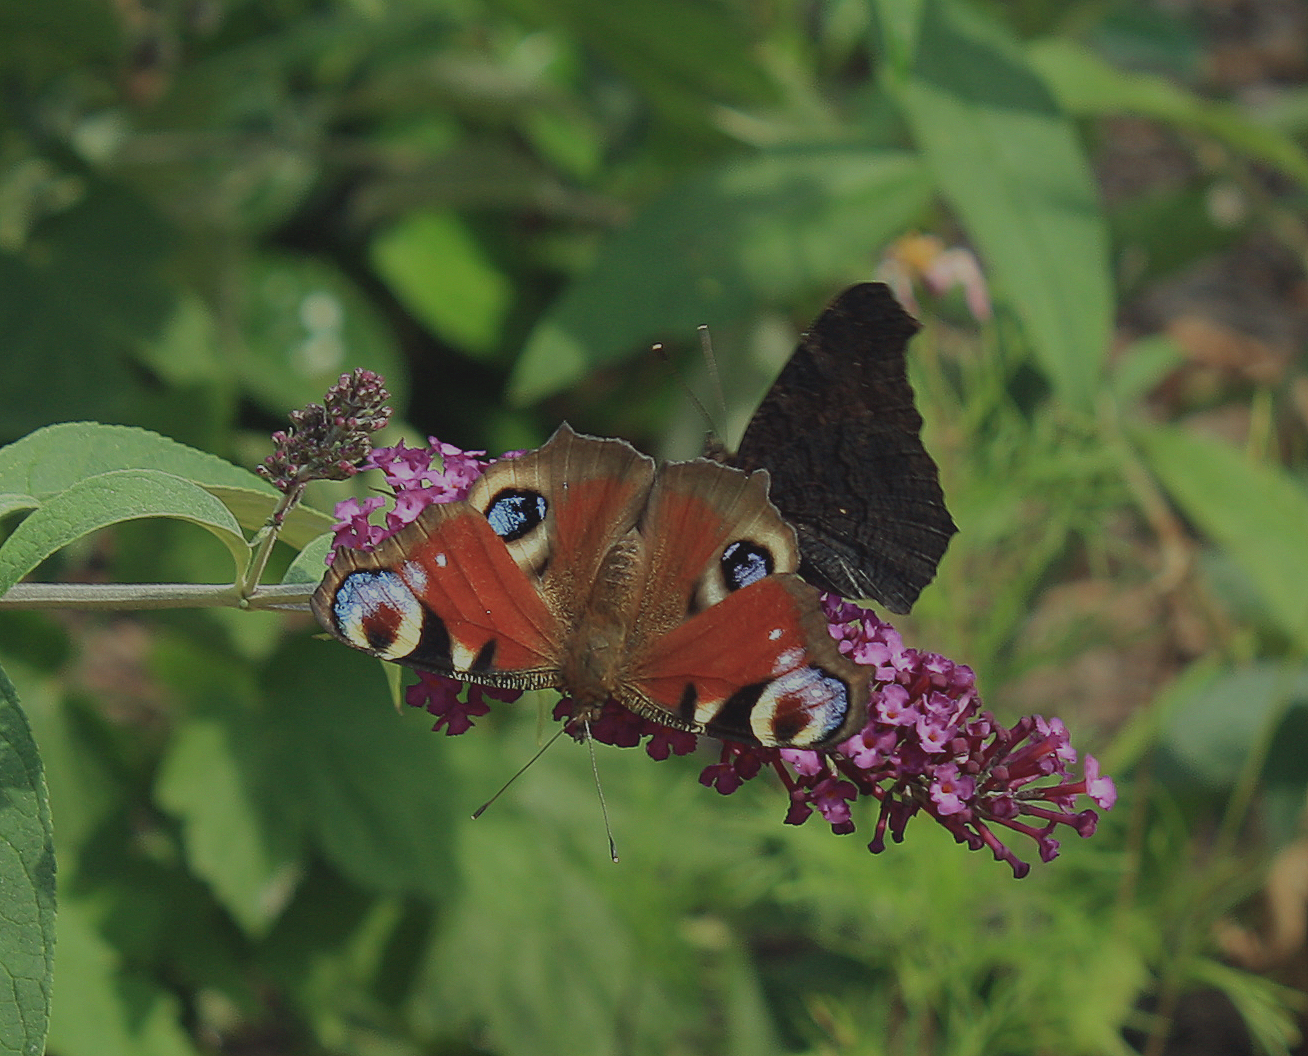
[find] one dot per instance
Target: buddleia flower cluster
(328, 441)
(927, 747)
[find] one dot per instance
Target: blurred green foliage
(211, 208)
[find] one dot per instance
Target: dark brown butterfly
(841, 438)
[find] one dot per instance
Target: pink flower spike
(806, 763)
(352, 529)
(439, 694)
(1100, 789)
(925, 745)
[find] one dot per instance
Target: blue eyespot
(744, 563)
(513, 513)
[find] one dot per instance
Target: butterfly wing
(726, 640)
(841, 437)
(757, 667)
(488, 589)
(591, 492)
(444, 595)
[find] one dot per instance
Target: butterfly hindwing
(725, 638)
(444, 595)
(758, 667)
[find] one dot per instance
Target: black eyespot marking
(689, 698)
(514, 513)
(745, 562)
(485, 657)
(435, 651)
(733, 716)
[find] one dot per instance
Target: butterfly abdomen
(596, 652)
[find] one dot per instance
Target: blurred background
(209, 209)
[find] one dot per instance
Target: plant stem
(128, 596)
(267, 536)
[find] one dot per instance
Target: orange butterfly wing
(726, 638)
(444, 595)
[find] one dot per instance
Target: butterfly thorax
(593, 659)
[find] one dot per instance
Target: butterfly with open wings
(689, 591)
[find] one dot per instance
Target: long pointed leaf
(49, 460)
(1009, 163)
(27, 878)
(1256, 512)
(110, 498)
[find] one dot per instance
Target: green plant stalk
(130, 596)
(1194, 929)
(263, 542)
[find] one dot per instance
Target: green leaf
(229, 840)
(1211, 738)
(111, 498)
(84, 786)
(1087, 86)
(709, 250)
(188, 350)
(101, 1009)
(1142, 365)
(437, 269)
(1160, 232)
(897, 25)
(49, 460)
(87, 285)
(310, 564)
(13, 503)
(1143, 730)
(680, 53)
(27, 877)
(1009, 163)
(1256, 512)
(1267, 1007)
(370, 783)
(252, 508)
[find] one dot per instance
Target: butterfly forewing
(444, 595)
(697, 512)
(592, 492)
(840, 435)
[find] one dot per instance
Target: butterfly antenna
(521, 770)
(594, 766)
(711, 365)
(662, 353)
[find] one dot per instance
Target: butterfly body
(584, 567)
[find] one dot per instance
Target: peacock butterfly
(674, 589)
(840, 436)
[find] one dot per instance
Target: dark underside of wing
(841, 438)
